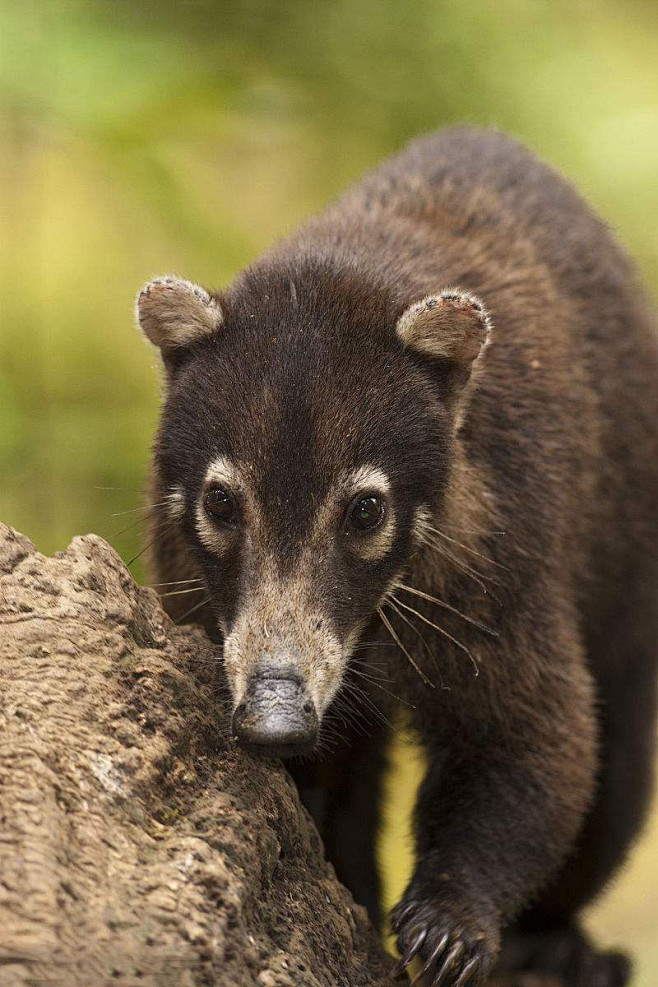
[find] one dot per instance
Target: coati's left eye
(221, 505)
(366, 513)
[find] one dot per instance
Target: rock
(138, 846)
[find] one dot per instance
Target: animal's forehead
(303, 440)
(289, 396)
(300, 407)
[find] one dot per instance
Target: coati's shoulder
(474, 182)
(460, 162)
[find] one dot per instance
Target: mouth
(276, 718)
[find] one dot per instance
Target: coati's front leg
(343, 794)
(496, 816)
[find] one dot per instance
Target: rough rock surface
(137, 846)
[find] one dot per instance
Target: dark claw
(410, 951)
(453, 956)
(467, 973)
(400, 917)
(432, 959)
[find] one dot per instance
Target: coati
(409, 459)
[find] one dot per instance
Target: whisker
(389, 627)
(358, 693)
(193, 609)
(448, 606)
(367, 675)
(371, 666)
(209, 661)
(138, 490)
(176, 582)
(376, 671)
(466, 548)
(326, 745)
(143, 508)
(362, 645)
(476, 576)
(463, 566)
(441, 630)
(180, 592)
(328, 740)
(150, 544)
(381, 716)
(418, 634)
(349, 717)
(134, 525)
(485, 532)
(388, 692)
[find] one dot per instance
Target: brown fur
(541, 764)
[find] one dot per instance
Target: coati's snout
(276, 717)
(284, 664)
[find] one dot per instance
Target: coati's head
(307, 433)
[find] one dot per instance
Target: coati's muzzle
(276, 717)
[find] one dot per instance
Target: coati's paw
(452, 953)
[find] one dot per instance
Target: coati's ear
(174, 313)
(452, 329)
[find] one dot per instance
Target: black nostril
(276, 718)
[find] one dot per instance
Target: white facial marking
(220, 471)
(368, 480)
(175, 503)
(422, 524)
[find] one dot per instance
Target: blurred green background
(138, 139)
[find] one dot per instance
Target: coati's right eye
(219, 503)
(366, 513)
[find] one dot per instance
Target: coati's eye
(219, 503)
(366, 513)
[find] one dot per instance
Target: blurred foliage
(140, 138)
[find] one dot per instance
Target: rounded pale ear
(453, 325)
(174, 313)
(453, 329)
